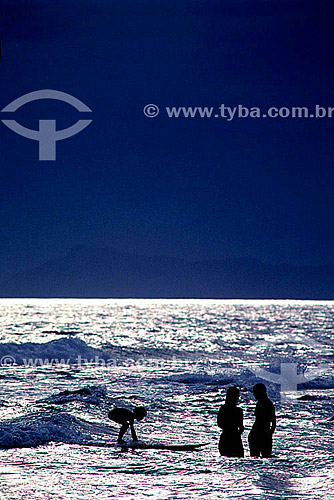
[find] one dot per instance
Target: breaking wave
(40, 428)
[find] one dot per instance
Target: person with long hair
(230, 420)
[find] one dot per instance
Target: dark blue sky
(196, 188)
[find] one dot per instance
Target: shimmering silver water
(177, 358)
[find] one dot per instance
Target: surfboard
(149, 446)
(161, 446)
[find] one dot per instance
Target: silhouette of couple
(230, 420)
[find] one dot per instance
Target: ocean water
(65, 363)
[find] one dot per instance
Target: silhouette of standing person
(230, 419)
(260, 437)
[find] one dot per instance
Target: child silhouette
(126, 419)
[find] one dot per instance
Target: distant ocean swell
(192, 368)
(76, 351)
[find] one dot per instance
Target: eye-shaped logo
(289, 378)
(47, 135)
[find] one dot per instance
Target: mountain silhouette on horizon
(87, 272)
